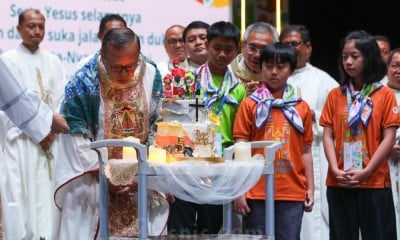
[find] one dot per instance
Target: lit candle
(129, 153)
(242, 151)
(157, 155)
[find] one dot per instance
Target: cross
(197, 105)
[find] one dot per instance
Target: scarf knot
(214, 94)
(265, 101)
(361, 107)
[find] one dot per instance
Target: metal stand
(144, 169)
(270, 148)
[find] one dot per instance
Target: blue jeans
(288, 217)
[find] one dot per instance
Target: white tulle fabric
(203, 182)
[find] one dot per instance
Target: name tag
(353, 156)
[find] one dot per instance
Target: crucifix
(197, 105)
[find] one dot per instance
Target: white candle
(157, 155)
(242, 151)
(129, 153)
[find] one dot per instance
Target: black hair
(21, 16)
(223, 29)
(383, 38)
(119, 38)
(374, 66)
(390, 57)
(192, 25)
(304, 32)
(108, 18)
(279, 52)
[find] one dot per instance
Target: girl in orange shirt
(360, 118)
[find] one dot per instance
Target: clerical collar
(243, 72)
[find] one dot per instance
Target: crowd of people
(336, 176)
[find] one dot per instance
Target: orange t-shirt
(385, 114)
(290, 180)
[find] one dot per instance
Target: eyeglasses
(294, 44)
(251, 49)
(174, 41)
(118, 68)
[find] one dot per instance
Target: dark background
(330, 20)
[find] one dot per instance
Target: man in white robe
(27, 167)
(314, 85)
(26, 110)
(115, 95)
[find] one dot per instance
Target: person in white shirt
(195, 38)
(108, 22)
(26, 110)
(175, 48)
(27, 167)
(393, 74)
(314, 85)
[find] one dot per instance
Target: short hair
(225, 30)
(304, 32)
(193, 25)
(374, 66)
(21, 16)
(261, 27)
(108, 18)
(279, 52)
(171, 27)
(390, 57)
(383, 38)
(119, 38)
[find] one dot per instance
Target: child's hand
(240, 205)
(170, 197)
(395, 152)
(309, 203)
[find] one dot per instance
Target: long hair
(374, 67)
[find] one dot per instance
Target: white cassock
(315, 85)
(77, 187)
(27, 186)
(24, 109)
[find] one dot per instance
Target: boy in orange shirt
(275, 112)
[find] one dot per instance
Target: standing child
(360, 119)
(223, 94)
(275, 112)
